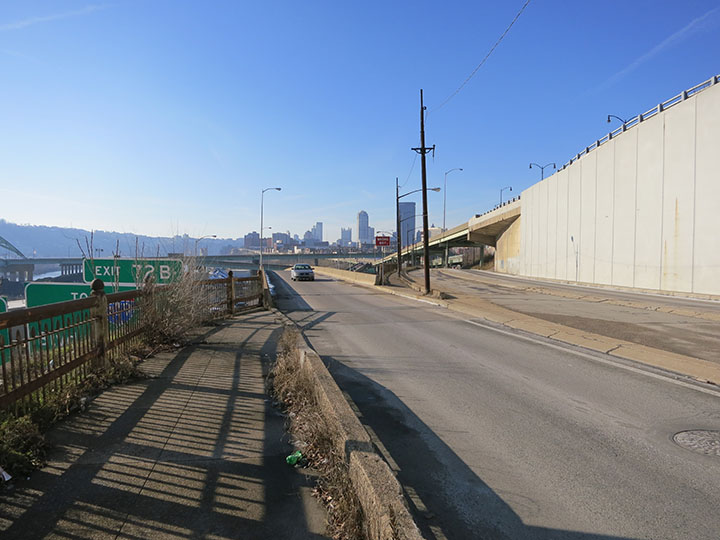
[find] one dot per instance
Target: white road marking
(614, 363)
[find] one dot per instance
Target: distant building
(407, 223)
(317, 231)
(363, 233)
(252, 240)
(281, 239)
(345, 237)
(433, 231)
(418, 236)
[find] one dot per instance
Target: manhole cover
(700, 440)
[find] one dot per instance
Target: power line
(412, 167)
(456, 92)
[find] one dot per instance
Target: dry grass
(315, 438)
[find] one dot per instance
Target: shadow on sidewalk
(424, 463)
(196, 451)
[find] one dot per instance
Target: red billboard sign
(382, 240)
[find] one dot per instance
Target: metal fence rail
(45, 349)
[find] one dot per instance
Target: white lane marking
(614, 363)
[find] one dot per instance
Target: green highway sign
(41, 293)
(132, 271)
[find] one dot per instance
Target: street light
(397, 215)
(445, 193)
(542, 168)
(202, 238)
(262, 203)
(444, 205)
(615, 116)
(503, 189)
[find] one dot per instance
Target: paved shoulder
(195, 451)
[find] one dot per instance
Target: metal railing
(636, 120)
(47, 348)
(505, 203)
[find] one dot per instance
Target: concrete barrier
(386, 515)
(354, 277)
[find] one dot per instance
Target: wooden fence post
(100, 315)
(231, 294)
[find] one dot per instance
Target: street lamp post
(444, 206)
(262, 202)
(542, 168)
(397, 214)
(503, 189)
(399, 233)
(202, 238)
(615, 116)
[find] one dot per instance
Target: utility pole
(399, 234)
(422, 151)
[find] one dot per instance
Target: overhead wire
(467, 80)
(412, 167)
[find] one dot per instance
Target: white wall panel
(562, 220)
(604, 212)
(524, 233)
(707, 194)
(536, 232)
(542, 202)
(624, 205)
(573, 228)
(678, 198)
(587, 219)
(648, 206)
(552, 226)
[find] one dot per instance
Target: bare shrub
(315, 437)
(169, 311)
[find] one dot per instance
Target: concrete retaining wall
(640, 211)
(507, 249)
(355, 277)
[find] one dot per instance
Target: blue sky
(163, 117)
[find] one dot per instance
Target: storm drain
(701, 441)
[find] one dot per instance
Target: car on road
(302, 271)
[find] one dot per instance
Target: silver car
(302, 271)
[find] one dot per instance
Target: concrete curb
(696, 368)
(385, 512)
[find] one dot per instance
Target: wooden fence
(44, 349)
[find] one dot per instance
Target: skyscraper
(407, 223)
(345, 236)
(317, 231)
(362, 227)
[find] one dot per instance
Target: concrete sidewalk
(196, 451)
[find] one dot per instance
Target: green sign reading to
(132, 271)
(40, 293)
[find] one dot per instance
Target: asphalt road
(496, 434)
